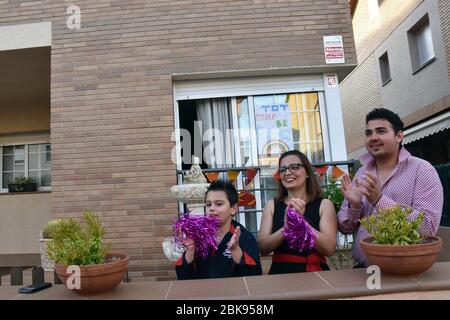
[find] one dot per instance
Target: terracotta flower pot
(402, 260)
(98, 278)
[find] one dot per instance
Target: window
(39, 160)
(267, 125)
(305, 124)
(13, 163)
(262, 126)
(26, 160)
(421, 44)
(385, 70)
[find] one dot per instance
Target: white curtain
(214, 117)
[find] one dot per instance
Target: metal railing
(267, 192)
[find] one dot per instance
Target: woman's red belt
(312, 261)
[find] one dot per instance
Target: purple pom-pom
(298, 233)
(201, 229)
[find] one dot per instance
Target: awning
(427, 128)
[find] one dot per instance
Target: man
(389, 176)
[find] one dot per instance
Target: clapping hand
(234, 242)
(189, 245)
(370, 188)
(352, 193)
(298, 205)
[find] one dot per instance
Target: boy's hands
(233, 246)
(234, 242)
(189, 245)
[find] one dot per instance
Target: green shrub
(49, 228)
(342, 258)
(391, 226)
(21, 180)
(332, 192)
(74, 244)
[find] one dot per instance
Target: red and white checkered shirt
(413, 182)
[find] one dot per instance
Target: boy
(237, 253)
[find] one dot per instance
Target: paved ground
(422, 295)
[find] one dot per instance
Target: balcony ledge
(335, 284)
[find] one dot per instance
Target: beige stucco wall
(21, 219)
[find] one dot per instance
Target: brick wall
(111, 95)
(444, 15)
(360, 92)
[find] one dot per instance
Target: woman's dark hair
(388, 115)
(313, 188)
(227, 187)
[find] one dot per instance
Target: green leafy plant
(333, 193)
(49, 228)
(19, 184)
(342, 258)
(76, 244)
(22, 180)
(390, 226)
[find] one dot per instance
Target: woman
(298, 189)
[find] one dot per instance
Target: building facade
(403, 64)
(93, 94)
(403, 52)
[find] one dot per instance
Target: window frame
(25, 143)
(254, 159)
(414, 50)
(385, 69)
(233, 87)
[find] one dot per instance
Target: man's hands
(351, 192)
(368, 186)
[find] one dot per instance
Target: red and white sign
(334, 49)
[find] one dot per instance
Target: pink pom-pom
(298, 233)
(201, 229)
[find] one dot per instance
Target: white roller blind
(234, 87)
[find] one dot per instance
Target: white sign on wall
(332, 80)
(334, 49)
